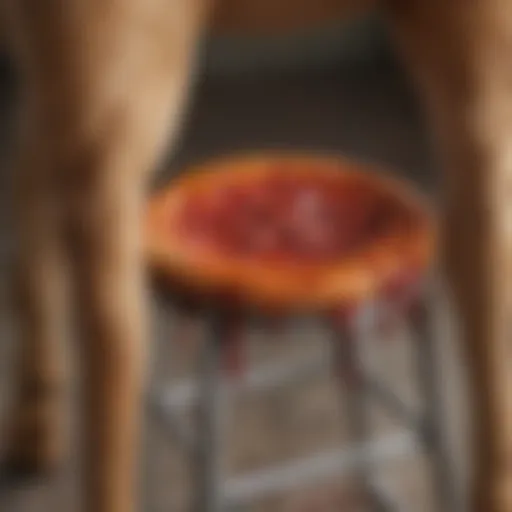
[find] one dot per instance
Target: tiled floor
(365, 111)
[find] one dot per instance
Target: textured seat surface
(287, 232)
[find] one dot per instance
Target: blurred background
(319, 75)
(314, 75)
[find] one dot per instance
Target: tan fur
(459, 54)
(105, 83)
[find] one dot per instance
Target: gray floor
(363, 110)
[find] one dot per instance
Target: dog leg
(459, 53)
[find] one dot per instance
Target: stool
(351, 244)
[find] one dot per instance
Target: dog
(103, 84)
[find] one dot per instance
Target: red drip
(347, 370)
(344, 317)
(399, 296)
(388, 321)
(234, 351)
(402, 289)
(417, 310)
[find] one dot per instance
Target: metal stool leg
(350, 376)
(211, 419)
(348, 359)
(443, 471)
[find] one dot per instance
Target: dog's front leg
(460, 55)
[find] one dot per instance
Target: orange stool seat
(288, 233)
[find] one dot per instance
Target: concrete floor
(362, 110)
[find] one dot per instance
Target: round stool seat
(287, 233)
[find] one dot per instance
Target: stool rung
(261, 484)
(185, 394)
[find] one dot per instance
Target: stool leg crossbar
(309, 470)
(213, 390)
(180, 397)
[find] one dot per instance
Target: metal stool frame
(212, 391)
